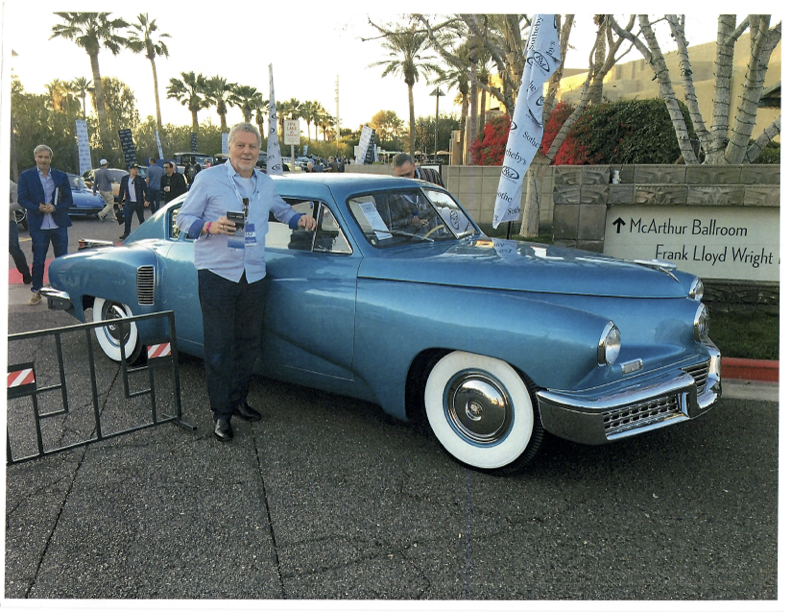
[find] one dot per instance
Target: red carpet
(15, 278)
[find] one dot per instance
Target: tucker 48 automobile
(415, 309)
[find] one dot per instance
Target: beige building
(633, 80)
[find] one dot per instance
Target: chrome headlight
(609, 345)
(696, 291)
(701, 323)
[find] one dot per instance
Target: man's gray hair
(40, 148)
(244, 127)
(401, 159)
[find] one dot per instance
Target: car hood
(491, 263)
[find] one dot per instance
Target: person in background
(404, 166)
(153, 175)
(231, 269)
(20, 261)
(131, 196)
(172, 184)
(46, 195)
(103, 183)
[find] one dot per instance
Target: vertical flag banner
(128, 146)
(365, 151)
(159, 146)
(274, 160)
(83, 145)
(541, 60)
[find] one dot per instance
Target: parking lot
(327, 498)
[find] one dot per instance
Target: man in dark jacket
(404, 165)
(131, 196)
(172, 185)
(46, 195)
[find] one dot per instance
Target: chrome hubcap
(117, 331)
(478, 407)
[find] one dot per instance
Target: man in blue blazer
(46, 195)
(131, 194)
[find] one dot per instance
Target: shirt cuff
(294, 222)
(196, 228)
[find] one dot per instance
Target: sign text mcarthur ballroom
(697, 228)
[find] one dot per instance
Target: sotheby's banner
(274, 160)
(541, 60)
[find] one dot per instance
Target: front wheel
(113, 335)
(482, 413)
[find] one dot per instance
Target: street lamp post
(437, 93)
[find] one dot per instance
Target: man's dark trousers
(40, 241)
(233, 317)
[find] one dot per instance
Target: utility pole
(437, 93)
(338, 116)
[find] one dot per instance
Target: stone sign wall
(721, 223)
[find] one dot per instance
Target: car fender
(555, 346)
(110, 273)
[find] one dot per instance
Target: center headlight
(609, 345)
(701, 323)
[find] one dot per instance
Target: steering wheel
(433, 230)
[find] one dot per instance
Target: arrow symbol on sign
(619, 223)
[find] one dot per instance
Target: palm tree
(459, 76)
(189, 91)
(406, 50)
(92, 31)
(218, 91)
(61, 96)
(82, 86)
(246, 97)
(311, 111)
(143, 41)
(261, 109)
(325, 121)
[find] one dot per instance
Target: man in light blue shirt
(153, 175)
(231, 268)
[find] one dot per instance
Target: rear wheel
(482, 413)
(117, 333)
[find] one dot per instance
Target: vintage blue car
(84, 201)
(415, 309)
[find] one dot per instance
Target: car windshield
(393, 217)
(75, 182)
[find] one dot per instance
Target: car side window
(175, 232)
(328, 237)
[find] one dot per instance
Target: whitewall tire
(111, 336)
(481, 411)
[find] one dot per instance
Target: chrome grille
(145, 285)
(699, 372)
(641, 414)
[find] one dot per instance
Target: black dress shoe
(246, 413)
(223, 431)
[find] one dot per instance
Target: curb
(749, 369)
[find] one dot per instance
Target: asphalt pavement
(329, 500)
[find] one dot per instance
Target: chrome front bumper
(56, 300)
(644, 405)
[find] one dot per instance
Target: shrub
(489, 148)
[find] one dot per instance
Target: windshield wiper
(409, 235)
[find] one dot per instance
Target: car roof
(341, 184)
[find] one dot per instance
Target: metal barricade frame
(22, 382)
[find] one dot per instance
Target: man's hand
(46, 208)
(307, 222)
